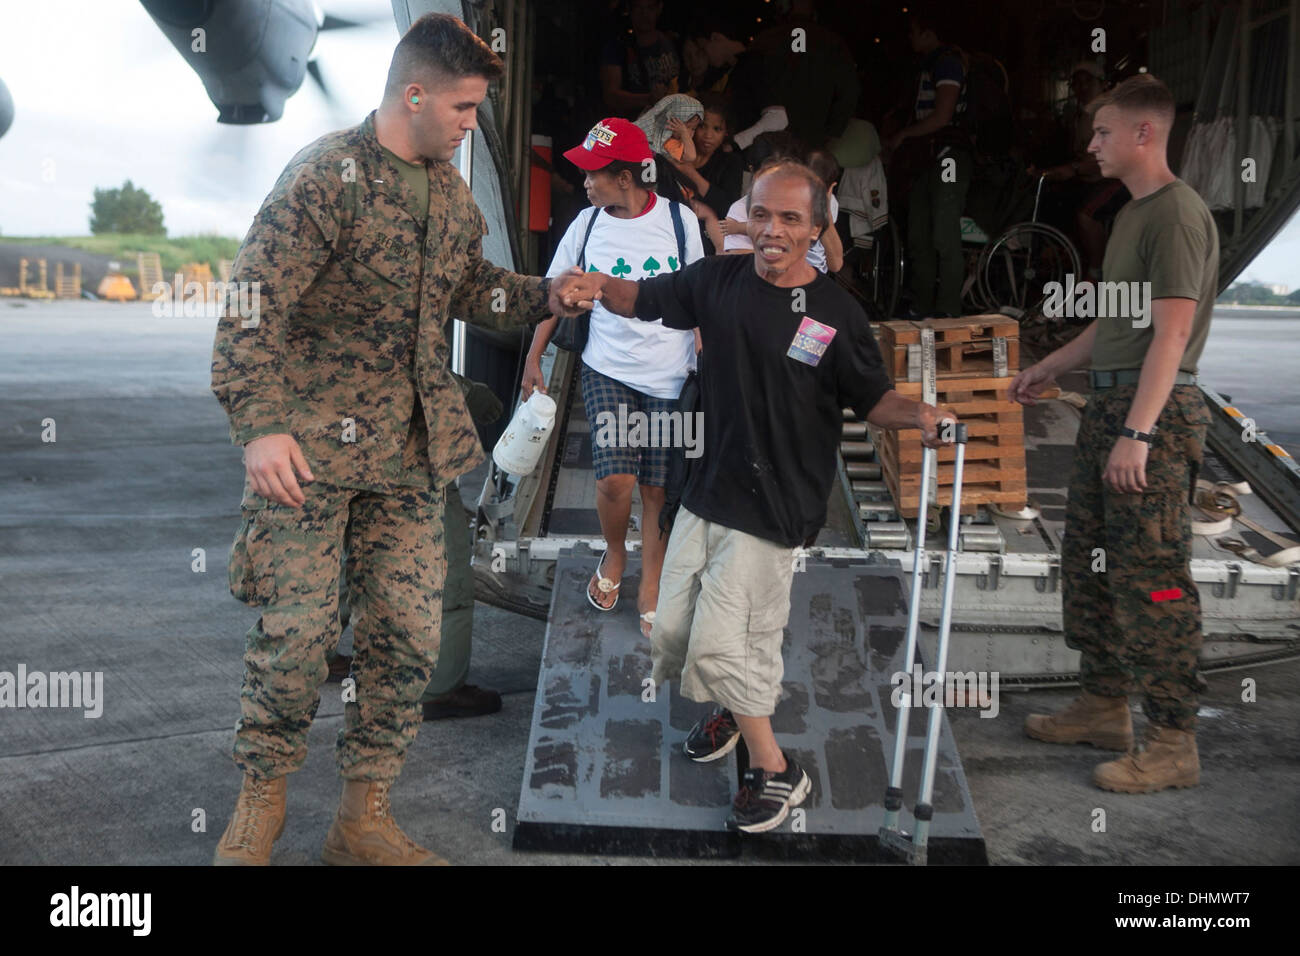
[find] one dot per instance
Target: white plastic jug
(520, 446)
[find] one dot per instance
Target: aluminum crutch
(889, 834)
(913, 848)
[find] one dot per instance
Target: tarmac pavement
(99, 573)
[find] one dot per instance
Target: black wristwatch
(1148, 437)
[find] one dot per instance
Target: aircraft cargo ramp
(605, 772)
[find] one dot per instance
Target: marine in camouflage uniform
(348, 356)
(1129, 603)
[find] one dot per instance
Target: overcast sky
(101, 96)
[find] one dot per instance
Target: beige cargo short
(724, 599)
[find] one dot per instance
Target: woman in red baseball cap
(631, 370)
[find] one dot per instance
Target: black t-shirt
(643, 66)
(772, 423)
(724, 173)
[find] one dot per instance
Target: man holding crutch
(791, 350)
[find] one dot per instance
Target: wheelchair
(1008, 273)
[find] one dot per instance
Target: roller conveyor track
(877, 518)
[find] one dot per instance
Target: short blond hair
(1139, 94)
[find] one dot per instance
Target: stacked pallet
(975, 359)
(966, 346)
(67, 286)
(150, 275)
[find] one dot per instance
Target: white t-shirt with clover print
(642, 355)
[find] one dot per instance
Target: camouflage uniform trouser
(287, 561)
(457, 602)
(1136, 618)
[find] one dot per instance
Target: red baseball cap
(610, 139)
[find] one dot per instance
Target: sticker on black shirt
(810, 342)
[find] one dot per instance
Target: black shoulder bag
(679, 466)
(688, 403)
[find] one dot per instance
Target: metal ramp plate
(604, 772)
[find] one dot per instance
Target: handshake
(574, 292)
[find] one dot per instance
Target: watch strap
(1147, 437)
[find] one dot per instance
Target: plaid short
(600, 393)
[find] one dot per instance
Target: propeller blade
(338, 23)
(313, 68)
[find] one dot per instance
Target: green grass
(175, 251)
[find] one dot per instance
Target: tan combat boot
(1168, 758)
(257, 822)
(365, 834)
(1089, 719)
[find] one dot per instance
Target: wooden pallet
(150, 274)
(975, 397)
(67, 286)
(963, 347)
(994, 471)
(986, 441)
(36, 290)
(982, 484)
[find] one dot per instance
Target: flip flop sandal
(604, 585)
(648, 618)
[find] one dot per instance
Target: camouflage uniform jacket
(347, 352)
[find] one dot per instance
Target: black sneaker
(712, 737)
(765, 798)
